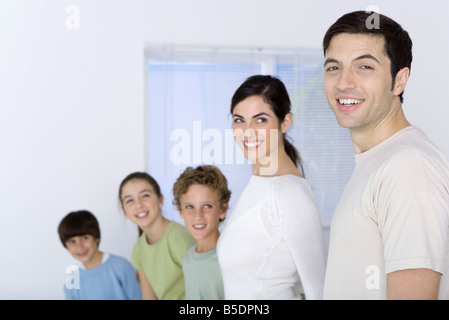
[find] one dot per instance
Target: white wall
(72, 105)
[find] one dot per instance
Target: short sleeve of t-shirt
(413, 214)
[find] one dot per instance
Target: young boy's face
(201, 211)
(84, 248)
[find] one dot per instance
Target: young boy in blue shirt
(103, 276)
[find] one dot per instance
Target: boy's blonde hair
(206, 175)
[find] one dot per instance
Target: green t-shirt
(202, 275)
(162, 261)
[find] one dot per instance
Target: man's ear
(400, 81)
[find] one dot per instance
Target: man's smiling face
(357, 80)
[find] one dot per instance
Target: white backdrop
(72, 104)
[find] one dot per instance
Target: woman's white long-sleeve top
(272, 244)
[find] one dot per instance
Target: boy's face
(84, 248)
(201, 211)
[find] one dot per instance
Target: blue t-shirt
(114, 279)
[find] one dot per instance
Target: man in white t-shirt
(390, 231)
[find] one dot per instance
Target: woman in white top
(272, 245)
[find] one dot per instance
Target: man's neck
(366, 138)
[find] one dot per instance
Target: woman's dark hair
(274, 93)
(398, 45)
(139, 176)
(78, 223)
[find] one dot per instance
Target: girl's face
(257, 130)
(140, 202)
(85, 249)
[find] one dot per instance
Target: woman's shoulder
(291, 182)
(293, 190)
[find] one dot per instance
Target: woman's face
(257, 130)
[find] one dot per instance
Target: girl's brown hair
(139, 176)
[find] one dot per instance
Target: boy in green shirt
(201, 196)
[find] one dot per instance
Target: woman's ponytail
(293, 153)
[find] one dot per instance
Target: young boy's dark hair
(78, 223)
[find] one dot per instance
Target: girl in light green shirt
(158, 253)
